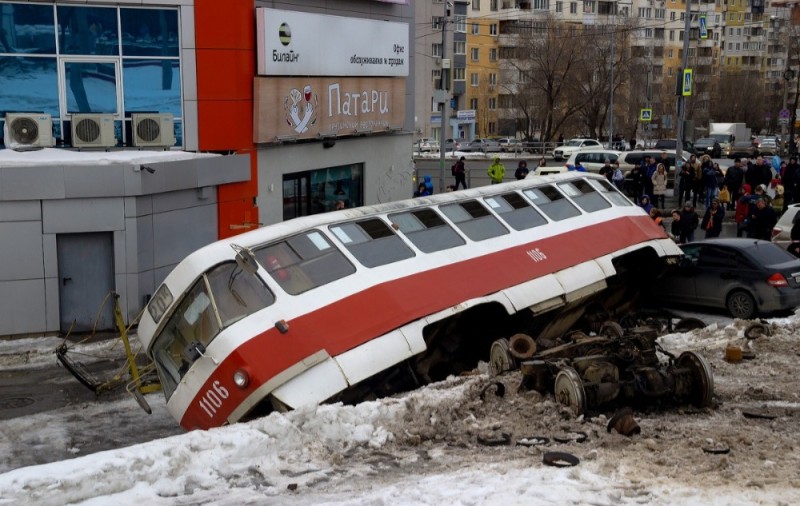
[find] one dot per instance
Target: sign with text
(294, 108)
(294, 43)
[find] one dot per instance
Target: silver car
(483, 146)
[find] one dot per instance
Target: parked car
(593, 159)
(781, 233)
(482, 145)
(452, 145)
(672, 145)
(741, 149)
(745, 276)
(565, 150)
(768, 147)
(510, 145)
(708, 146)
(426, 145)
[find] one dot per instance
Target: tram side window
(516, 211)
(552, 203)
(303, 262)
(610, 192)
(584, 194)
(372, 242)
(237, 293)
(474, 220)
(427, 230)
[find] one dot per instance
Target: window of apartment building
(559, 6)
(492, 127)
(739, 31)
(493, 4)
(473, 79)
(474, 53)
(473, 103)
(680, 35)
(436, 77)
(669, 53)
(476, 5)
(729, 60)
(459, 47)
(730, 31)
(683, 16)
(492, 103)
(493, 29)
(436, 106)
(508, 52)
(672, 16)
(648, 33)
(716, 36)
(460, 24)
(672, 35)
(436, 49)
(669, 72)
(623, 11)
(506, 101)
(493, 79)
(436, 22)
(589, 7)
(738, 46)
(730, 46)
(492, 54)
(522, 76)
(661, 13)
(659, 33)
(541, 5)
(716, 18)
(476, 28)
(459, 73)
(573, 7)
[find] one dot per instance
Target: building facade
(212, 78)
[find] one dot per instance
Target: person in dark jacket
(645, 204)
(677, 232)
(712, 220)
(684, 182)
(460, 172)
(709, 180)
(522, 170)
(734, 178)
(635, 185)
(762, 221)
(794, 246)
(689, 221)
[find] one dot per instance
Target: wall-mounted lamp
(328, 144)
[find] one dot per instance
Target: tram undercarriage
(595, 351)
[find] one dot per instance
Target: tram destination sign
(291, 43)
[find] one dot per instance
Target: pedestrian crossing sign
(646, 115)
(703, 27)
(686, 89)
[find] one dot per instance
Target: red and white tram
(363, 302)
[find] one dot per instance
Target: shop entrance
(322, 190)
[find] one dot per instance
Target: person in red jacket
(743, 209)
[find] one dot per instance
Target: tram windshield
(219, 298)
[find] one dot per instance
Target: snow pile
(59, 156)
(429, 446)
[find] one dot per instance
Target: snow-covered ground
(422, 447)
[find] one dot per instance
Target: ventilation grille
(87, 130)
(148, 129)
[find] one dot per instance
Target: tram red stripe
(379, 309)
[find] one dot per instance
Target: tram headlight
(241, 378)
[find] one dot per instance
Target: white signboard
(294, 43)
(466, 114)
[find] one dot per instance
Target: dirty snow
(422, 447)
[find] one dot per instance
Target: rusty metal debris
(560, 459)
(616, 366)
(624, 423)
(499, 390)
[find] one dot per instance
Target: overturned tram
(361, 303)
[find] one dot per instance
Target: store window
(63, 59)
(322, 190)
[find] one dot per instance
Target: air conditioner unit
(28, 131)
(93, 131)
(153, 130)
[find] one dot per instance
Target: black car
(672, 145)
(746, 276)
(707, 146)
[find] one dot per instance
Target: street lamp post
(788, 75)
(792, 143)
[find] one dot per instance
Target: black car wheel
(741, 305)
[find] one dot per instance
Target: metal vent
(148, 130)
(87, 130)
(24, 130)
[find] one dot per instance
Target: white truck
(727, 133)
